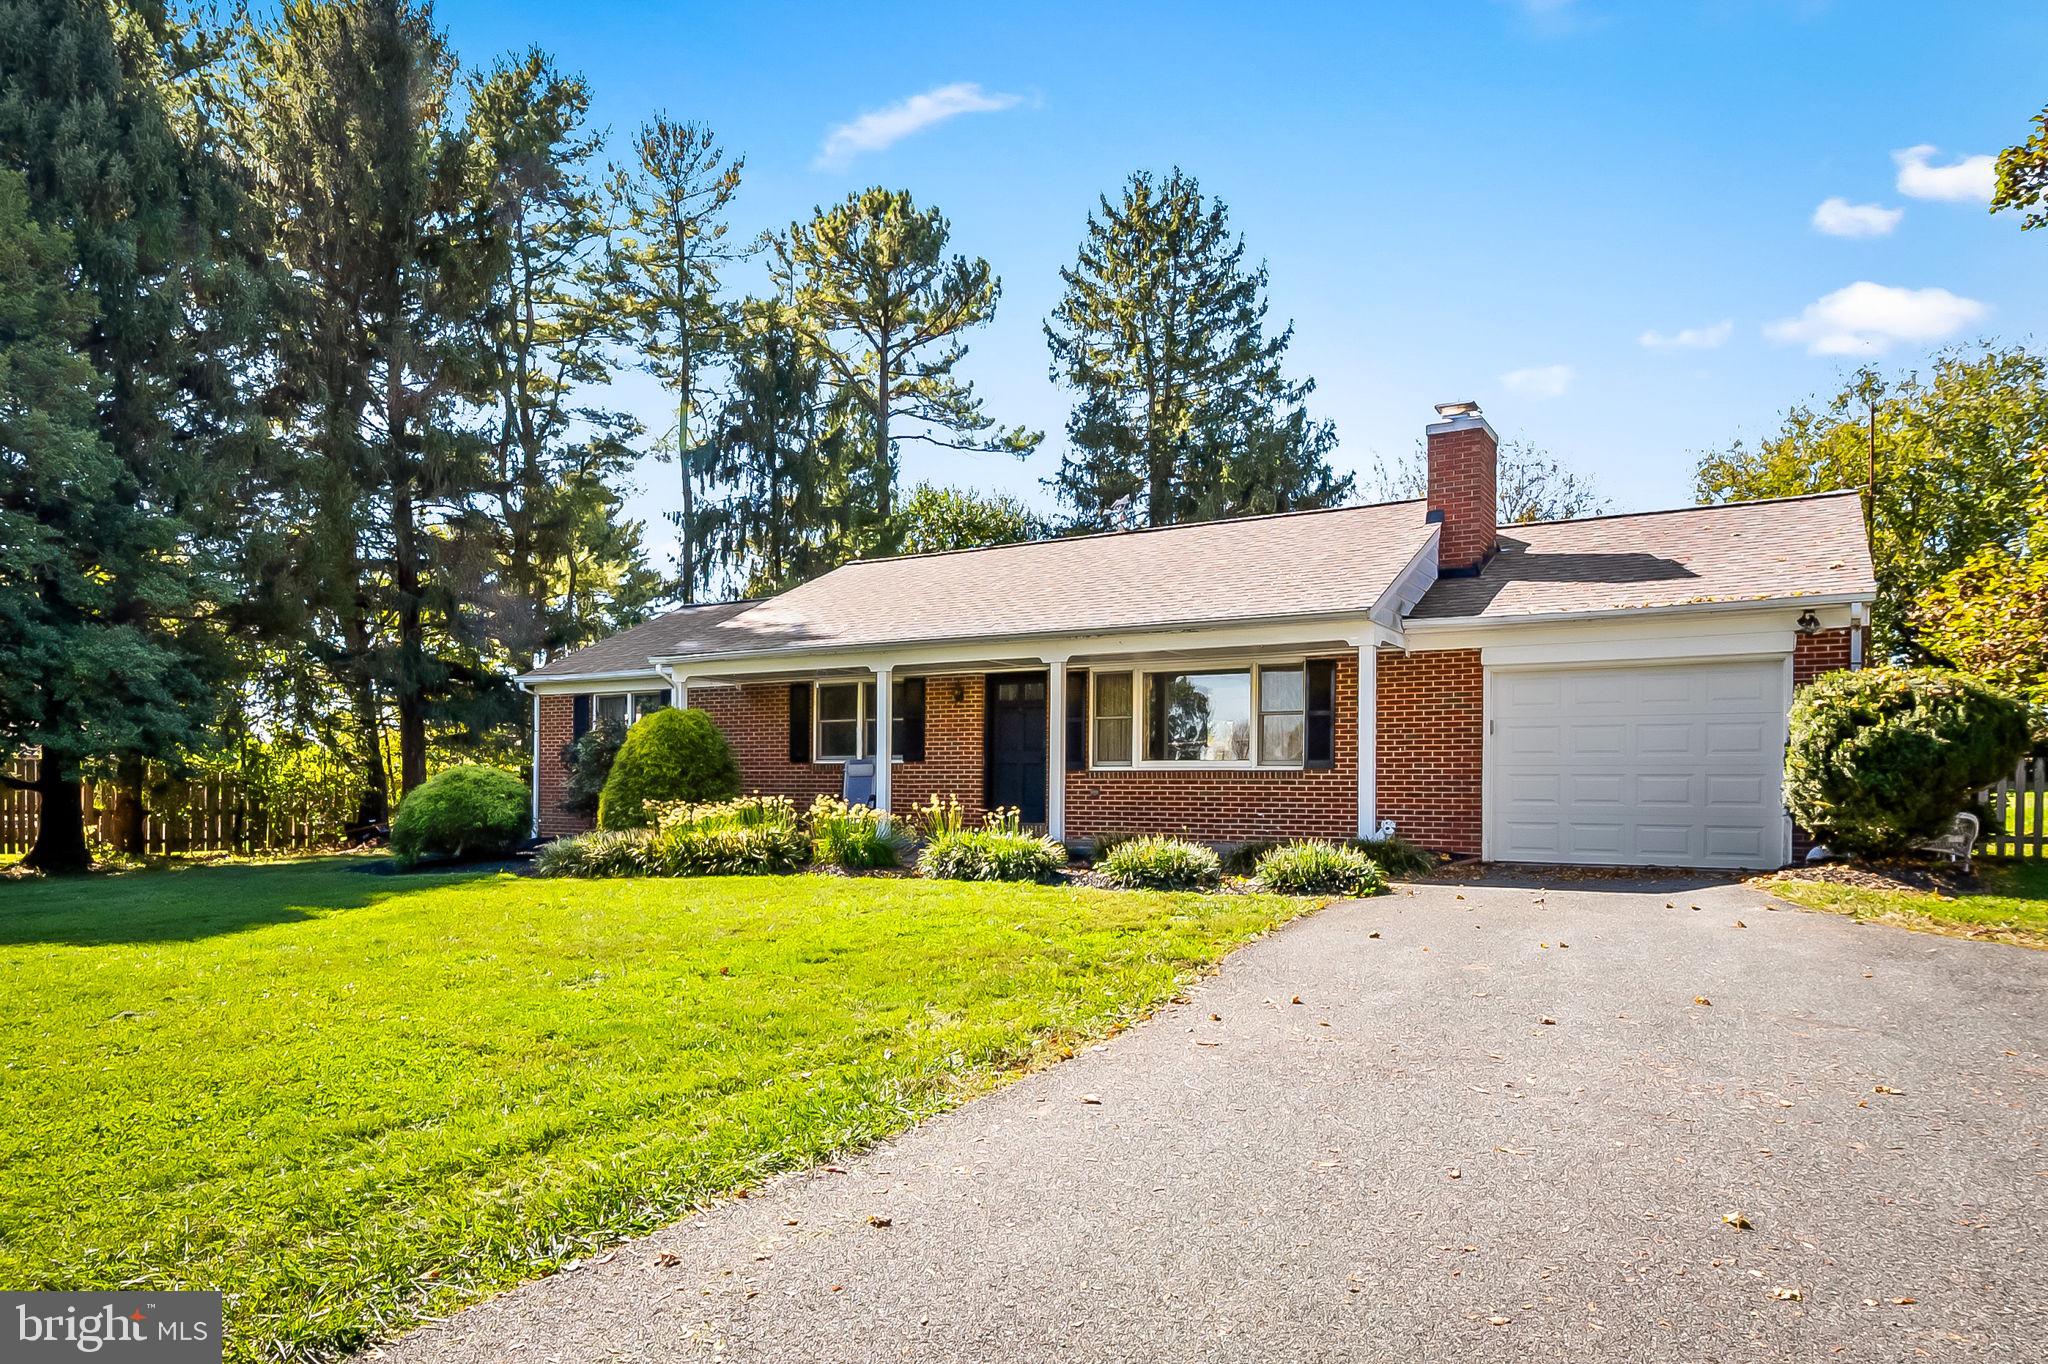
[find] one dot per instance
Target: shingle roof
(1296, 564)
(1740, 551)
(678, 631)
(1333, 562)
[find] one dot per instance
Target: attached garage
(1669, 764)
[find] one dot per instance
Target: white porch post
(881, 755)
(1056, 748)
(1368, 737)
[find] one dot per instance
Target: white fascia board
(582, 682)
(1472, 632)
(1410, 583)
(1639, 649)
(1014, 652)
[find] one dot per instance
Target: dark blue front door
(1015, 755)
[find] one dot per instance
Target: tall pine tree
(1183, 412)
(122, 242)
(886, 308)
(662, 295)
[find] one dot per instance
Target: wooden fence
(2017, 821)
(180, 815)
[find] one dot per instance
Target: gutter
(1424, 626)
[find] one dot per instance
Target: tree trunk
(60, 823)
(689, 526)
(884, 476)
(129, 811)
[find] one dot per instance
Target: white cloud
(1689, 338)
(1866, 319)
(879, 129)
(1538, 381)
(1839, 218)
(1971, 177)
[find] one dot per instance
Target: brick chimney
(1464, 477)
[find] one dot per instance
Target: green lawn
(2013, 903)
(349, 1098)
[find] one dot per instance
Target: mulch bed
(1945, 878)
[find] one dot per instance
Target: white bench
(1958, 843)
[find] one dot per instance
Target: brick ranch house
(1611, 690)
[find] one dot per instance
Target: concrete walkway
(1460, 1123)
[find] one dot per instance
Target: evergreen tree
(885, 307)
(956, 518)
(122, 243)
(662, 295)
(555, 464)
(1183, 413)
(797, 469)
(364, 180)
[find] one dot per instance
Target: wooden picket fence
(181, 815)
(2017, 822)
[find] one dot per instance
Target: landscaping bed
(353, 1101)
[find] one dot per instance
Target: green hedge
(670, 755)
(992, 854)
(461, 812)
(1319, 867)
(1883, 758)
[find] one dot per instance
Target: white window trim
(1139, 671)
(633, 711)
(860, 723)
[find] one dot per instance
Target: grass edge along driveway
(352, 1100)
(2011, 906)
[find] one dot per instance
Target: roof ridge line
(1695, 507)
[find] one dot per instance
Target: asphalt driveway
(1464, 1123)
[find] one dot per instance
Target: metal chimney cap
(1467, 408)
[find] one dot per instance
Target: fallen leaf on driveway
(668, 1259)
(1740, 924)
(1885, 1089)
(1702, 999)
(1499, 1321)
(1736, 1220)
(1453, 1173)
(1090, 1099)
(1374, 934)
(1295, 1000)
(875, 1221)
(1905, 1302)
(1786, 1294)
(1548, 1021)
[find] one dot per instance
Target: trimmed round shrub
(617, 852)
(1154, 863)
(670, 755)
(991, 855)
(461, 812)
(1319, 867)
(1883, 758)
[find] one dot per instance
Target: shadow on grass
(184, 904)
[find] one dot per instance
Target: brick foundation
(1432, 735)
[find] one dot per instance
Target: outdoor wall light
(1809, 623)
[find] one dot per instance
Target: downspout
(1856, 634)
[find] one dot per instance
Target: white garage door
(1674, 765)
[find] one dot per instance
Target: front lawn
(2012, 905)
(349, 1099)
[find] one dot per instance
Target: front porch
(1223, 740)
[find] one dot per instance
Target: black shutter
(579, 724)
(1155, 719)
(1077, 721)
(1319, 743)
(907, 700)
(799, 722)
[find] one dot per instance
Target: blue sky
(1495, 199)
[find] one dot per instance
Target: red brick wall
(1228, 806)
(755, 720)
(1432, 734)
(557, 727)
(1464, 484)
(1819, 653)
